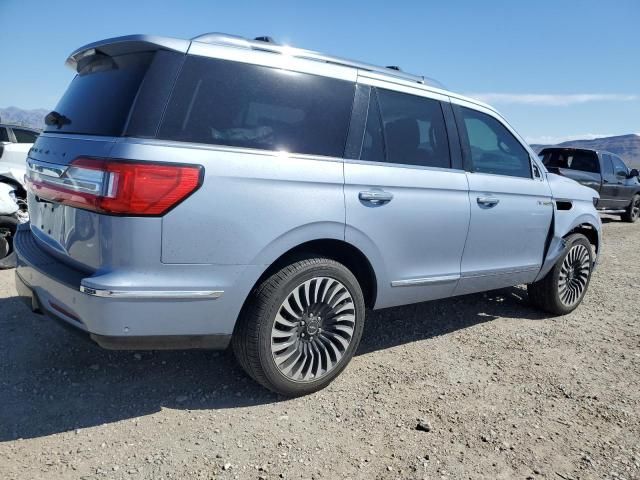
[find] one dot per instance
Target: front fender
(565, 222)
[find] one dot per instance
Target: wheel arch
(339, 250)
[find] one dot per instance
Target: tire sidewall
(634, 200)
(573, 240)
(326, 269)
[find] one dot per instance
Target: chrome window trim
(107, 293)
(226, 149)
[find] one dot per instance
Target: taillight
(117, 187)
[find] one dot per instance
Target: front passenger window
(491, 148)
(620, 168)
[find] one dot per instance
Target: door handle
(377, 197)
(488, 201)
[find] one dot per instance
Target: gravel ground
(499, 389)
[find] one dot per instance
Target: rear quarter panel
(252, 206)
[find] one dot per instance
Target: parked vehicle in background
(15, 142)
(13, 212)
(238, 191)
(605, 172)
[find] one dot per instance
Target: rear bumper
(136, 315)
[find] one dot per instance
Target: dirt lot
(506, 393)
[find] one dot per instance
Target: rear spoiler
(127, 44)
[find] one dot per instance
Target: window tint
(373, 142)
(491, 148)
(414, 130)
(4, 135)
(230, 103)
(99, 98)
(619, 167)
(607, 164)
(24, 136)
(582, 160)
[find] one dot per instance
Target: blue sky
(556, 69)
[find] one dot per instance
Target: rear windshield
(571, 159)
(237, 104)
(100, 97)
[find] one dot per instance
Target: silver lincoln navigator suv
(214, 191)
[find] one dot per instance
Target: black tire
(252, 338)
(633, 210)
(8, 226)
(546, 293)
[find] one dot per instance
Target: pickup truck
(605, 172)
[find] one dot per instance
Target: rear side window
(581, 160)
(4, 135)
(413, 130)
(99, 98)
(491, 148)
(24, 136)
(607, 164)
(229, 103)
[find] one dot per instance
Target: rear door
(511, 207)
(406, 201)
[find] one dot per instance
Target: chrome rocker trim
(162, 294)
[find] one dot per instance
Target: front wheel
(301, 326)
(563, 288)
(633, 210)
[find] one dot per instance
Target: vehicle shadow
(52, 381)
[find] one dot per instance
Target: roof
(132, 43)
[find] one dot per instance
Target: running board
(612, 211)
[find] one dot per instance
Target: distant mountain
(26, 118)
(627, 146)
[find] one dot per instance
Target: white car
(15, 143)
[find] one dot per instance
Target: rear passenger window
(607, 164)
(4, 135)
(414, 130)
(582, 160)
(229, 103)
(491, 148)
(24, 136)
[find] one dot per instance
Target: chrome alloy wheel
(574, 275)
(313, 329)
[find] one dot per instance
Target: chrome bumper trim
(161, 294)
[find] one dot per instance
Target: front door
(511, 207)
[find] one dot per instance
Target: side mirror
(634, 173)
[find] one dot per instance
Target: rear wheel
(563, 288)
(633, 210)
(301, 326)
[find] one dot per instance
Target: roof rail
(265, 43)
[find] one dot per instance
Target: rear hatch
(120, 90)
